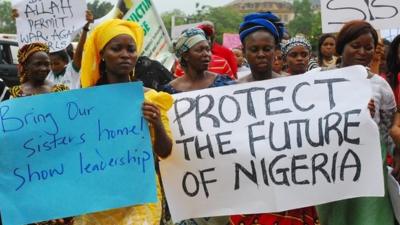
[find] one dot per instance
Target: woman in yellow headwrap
(110, 56)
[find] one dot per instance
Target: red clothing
(217, 65)
(304, 216)
(227, 54)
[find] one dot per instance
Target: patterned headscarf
(262, 21)
(99, 37)
(293, 42)
(27, 51)
(188, 39)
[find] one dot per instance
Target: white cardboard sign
(156, 39)
(54, 22)
(382, 14)
(273, 145)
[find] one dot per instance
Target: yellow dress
(147, 214)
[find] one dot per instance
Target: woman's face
(120, 55)
(328, 47)
(57, 64)
(199, 56)
(37, 67)
(278, 62)
(297, 60)
(239, 56)
(259, 50)
(359, 51)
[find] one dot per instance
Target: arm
(162, 143)
(77, 60)
(376, 59)
(371, 107)
(14, 14)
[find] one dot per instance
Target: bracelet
(86, 29)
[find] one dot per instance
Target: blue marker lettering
(21, 177)
(32, 150)
(15, 122)
(110, 134)
(74, 111)
(40, 175)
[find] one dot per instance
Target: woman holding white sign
(110, 56)
(260, 33)
(356, 43)
(194, 54)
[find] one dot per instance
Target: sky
(187, 6)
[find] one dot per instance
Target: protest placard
(156, 40)
(273, 145)
(231, 41)
(72, 153)
(53, 22)
(382, 14)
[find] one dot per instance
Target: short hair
(62, 54)
(351, 31)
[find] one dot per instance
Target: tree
(180, 18)
(7, 24)
(306, 21)
(316, 30)
(99, 8)
(225, 19)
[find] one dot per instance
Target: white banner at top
(382, 14)
(156, 40)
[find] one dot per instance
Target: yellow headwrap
(96, 41)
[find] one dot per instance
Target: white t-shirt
(71, 77)
(383, 97)
(243, 71)
(385, 108)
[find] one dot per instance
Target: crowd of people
(110, 54)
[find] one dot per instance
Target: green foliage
(306, 21)
(99, 8)
(180, 19)
(316, 30)
(7, 24)
(226, 19)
